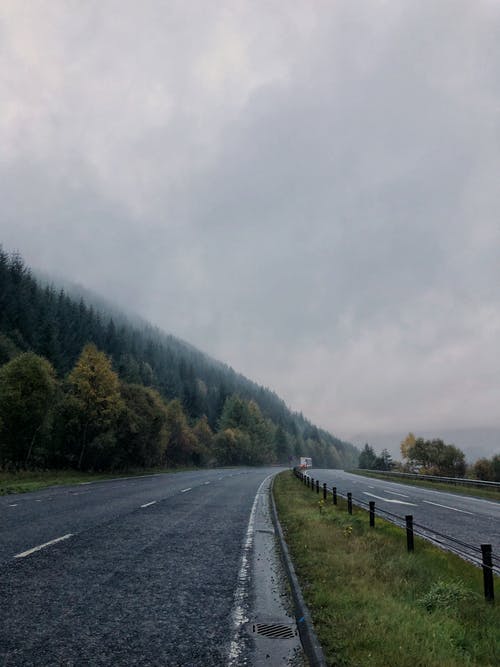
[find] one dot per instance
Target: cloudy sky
(307, 190)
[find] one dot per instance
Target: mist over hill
(252, 423)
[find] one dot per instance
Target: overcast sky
(308, 191)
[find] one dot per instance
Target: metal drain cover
(274, 630)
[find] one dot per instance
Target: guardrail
(462, 481)
(480, 556)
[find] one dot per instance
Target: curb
(310, 643)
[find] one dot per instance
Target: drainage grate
(274, 630)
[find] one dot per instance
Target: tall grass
(373, 604)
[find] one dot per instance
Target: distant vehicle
(305, 462)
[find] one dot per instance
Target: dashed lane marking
(207, 483)
(389, 500)
(455, 509)
(185, 490)
(148, 504)
(394, 493)
(23, 554)
(15, 505)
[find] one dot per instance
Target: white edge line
(455, 509)
(238, 613)
(184, 490)
(148, 504)
(42, 546)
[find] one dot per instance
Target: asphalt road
(145, 574)
(472, 520)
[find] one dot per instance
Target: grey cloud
(308, 193)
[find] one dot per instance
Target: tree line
(432, 457)
(79, 389)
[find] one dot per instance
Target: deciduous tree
(95, 401)
(27, 389)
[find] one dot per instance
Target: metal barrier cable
(433, 535)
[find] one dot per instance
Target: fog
(306, 191)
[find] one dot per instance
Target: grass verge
(477, 492)
(26, 480)
(372, 603)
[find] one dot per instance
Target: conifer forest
(86, 389)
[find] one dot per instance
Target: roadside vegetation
(375, 605)
(478, 492)
(432, 457)
(25, 481)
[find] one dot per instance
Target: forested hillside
(79, 388)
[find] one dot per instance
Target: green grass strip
(476, 491)
(374, 604)
(27, 480)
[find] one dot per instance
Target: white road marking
(42, 546)
(207, 483)
(394, 493)
(238, 613)
(389, 500)
(455, 509)
(184, 490)
(13, 505)
(148, 504)
(84, 483)
(482, 500)
(38, 500)
(371, 487)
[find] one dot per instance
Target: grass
(375, 605)
(25, 481)
(477, 492)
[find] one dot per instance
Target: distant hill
(57, 323)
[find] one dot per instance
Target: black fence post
(349, 503)
(312, 483)
(324, 491)
(489, 591)
(409, 532)
(334, 494)
(317, 486)
(372, 513)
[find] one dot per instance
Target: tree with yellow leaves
(95, 403)
(407, 445)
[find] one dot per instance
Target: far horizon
(475, 442)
